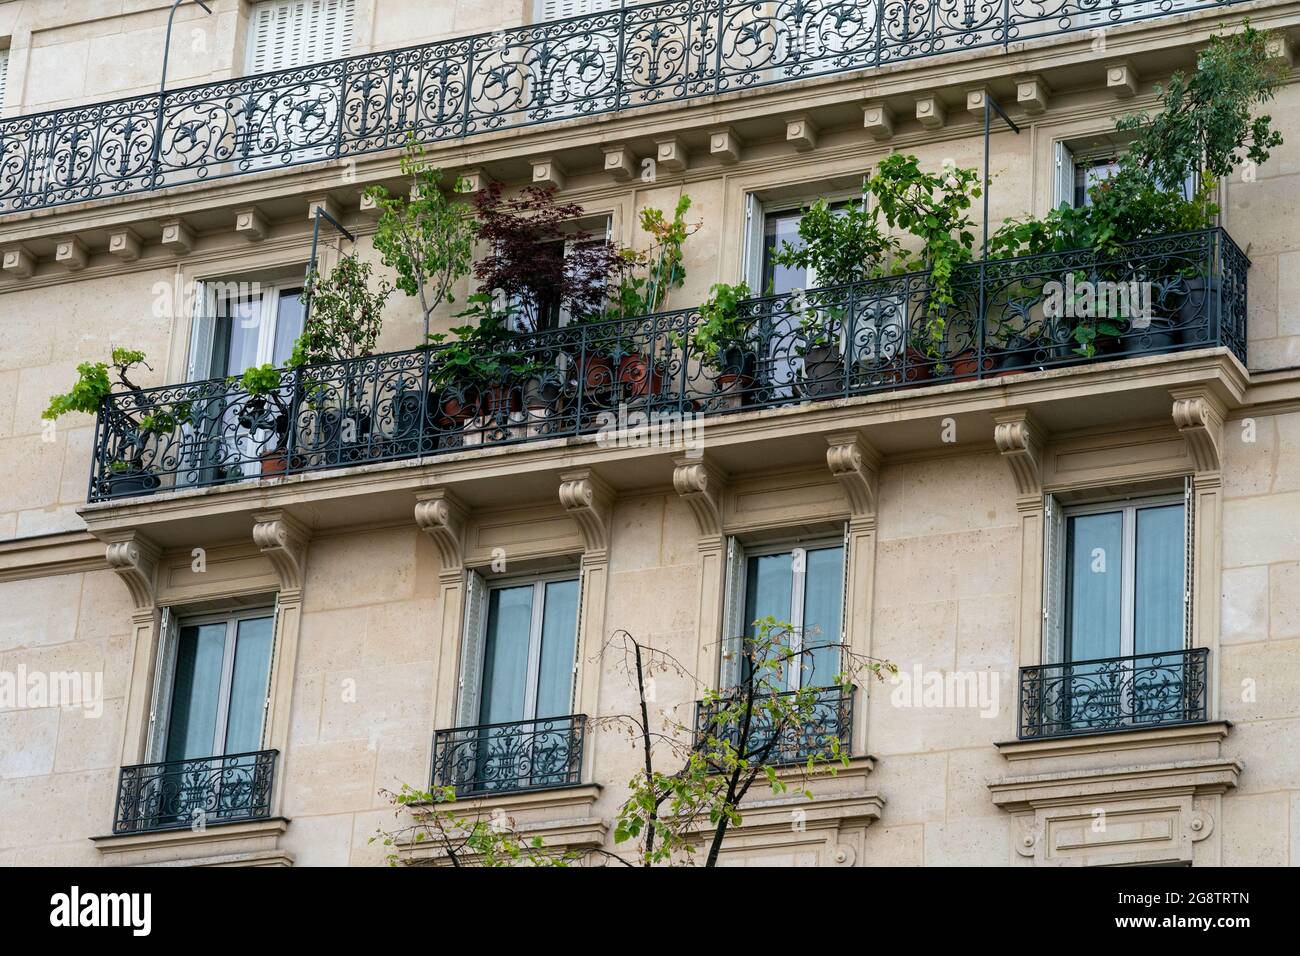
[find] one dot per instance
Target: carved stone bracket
(856, 465)
(442, 517)
(700, 485)
(1198, 414)
(283, 539)
(135, 559)
(1020, 444)
(590, 501)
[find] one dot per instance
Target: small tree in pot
(131, 427)
(725, 341)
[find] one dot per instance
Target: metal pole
(989, 104)
(315, 242)
(162, 83)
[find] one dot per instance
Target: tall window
(241, 325)
(4, 76)
(219, 670)
(770, 226)
(283, 34)
(529, 642)
(803, 586)
(1080, 166)
(1124, 571)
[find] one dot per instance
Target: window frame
(203, 336)
(737, 590)
(165, 679)
(1056, 577)
(758, 209)
(474, 642)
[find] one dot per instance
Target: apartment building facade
(405, 596)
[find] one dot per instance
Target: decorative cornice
(442, 517)
(1019, 443)
(700, 485)
(283, 539)
(856, 465)
(585, 496)
(1198, 414)
(135, 559)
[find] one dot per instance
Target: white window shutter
(753, 249)
(545, 10)
(1054, 558)
(471, 650)
(734, 624)
(4, 74)
(1063, 176)
(283, 34)
(161, 699)
(202, 333)
(1189, 559)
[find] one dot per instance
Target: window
(554, 314)
(771, 225)
(244, 324)
(219, 671)
(1082, 165)
(283, 34)
(1117, 619)
(515, 727)
(1124, 579)
(802, 585)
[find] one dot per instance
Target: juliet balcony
(828, 715)
(180, 794)
(677, 51)
(1007, 317)
(538, 754)
(1114, 694)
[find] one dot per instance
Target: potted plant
(724, 342)
(478, 378)
(266, 410)
(342, 323)
(933, 208)
(131, 426)
(841, 246)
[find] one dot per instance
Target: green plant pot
(823, 371)
(132, 483)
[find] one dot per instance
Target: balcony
(181, 794)
(671, 52)
(1118, 693)
(831, 715)
(510, 757)
(597, 378)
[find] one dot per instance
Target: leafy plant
(721, 325)
(933, 207)
(346, 317)
(646, 277)
(425, 237)
(840, 246)
(1206, 122)
(482, 355)
(537, 262)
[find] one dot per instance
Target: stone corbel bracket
(855, 464)
(1019, 441)
(700, 484)
(283, 539)
(442, 517)
(1198, 414)
(585, 496)
(135, 560)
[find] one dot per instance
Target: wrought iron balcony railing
(1118, 693)
(500, 758)
(188, 793)
(673, 51)
(611, 378)
(831, 715)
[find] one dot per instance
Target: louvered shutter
(283, 34)
(471, 651)
(161, 700)
(4, 74)
(1053, 581)
(560, 9)
(1189, 560)
(734, 624)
